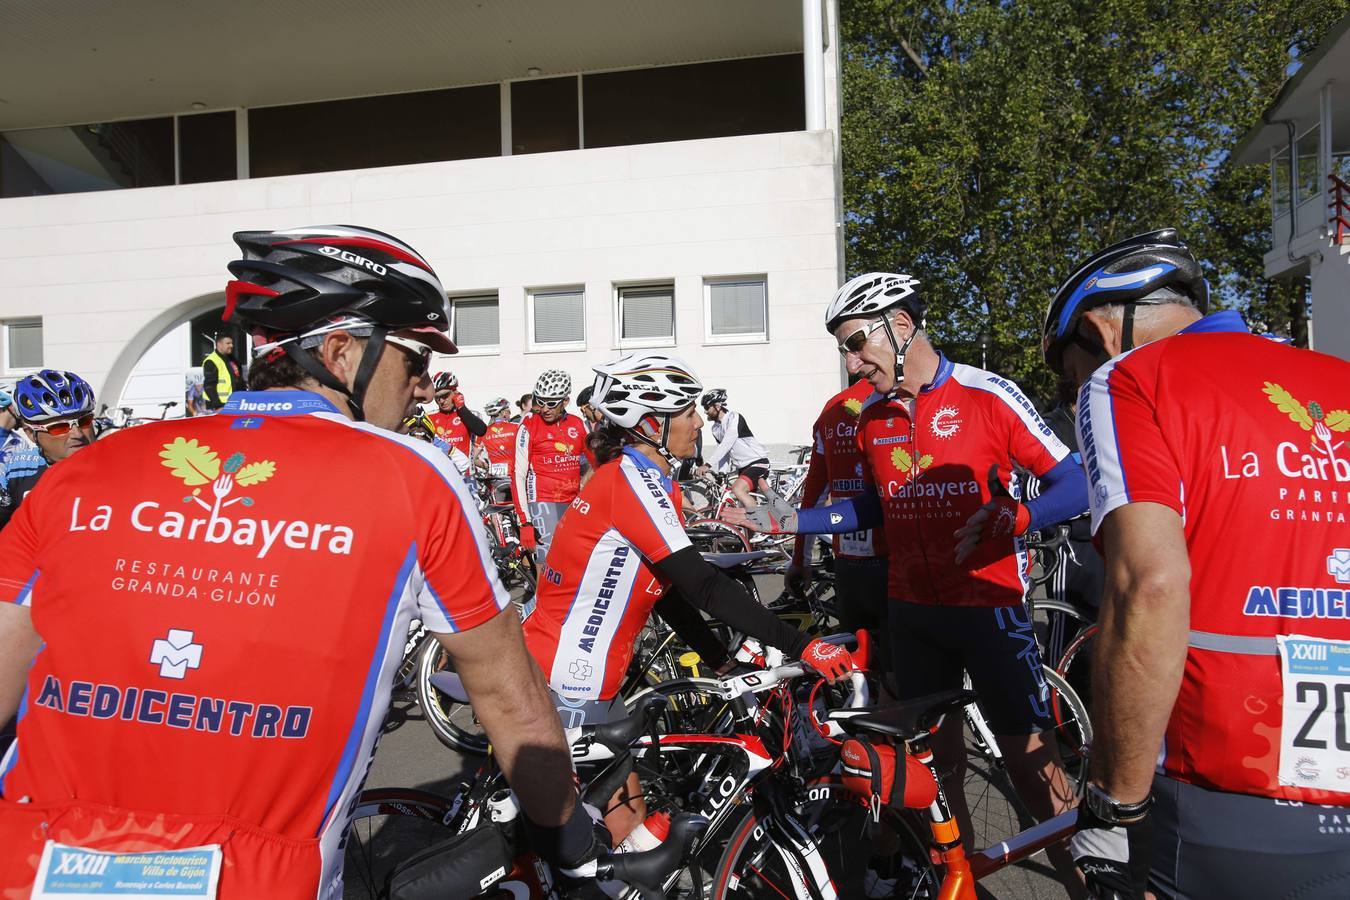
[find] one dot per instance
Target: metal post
(813, 63)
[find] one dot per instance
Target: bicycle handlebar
(647, 870)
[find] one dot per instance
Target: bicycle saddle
(617, 736)
(731, 560)
(907, 719)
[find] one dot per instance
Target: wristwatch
(1111, 811)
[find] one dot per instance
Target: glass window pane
(206, 148)
(737, 307)
(476, 322)
(24, 345)
(1279, 180)
(559, 317)
(1309, 179)
(391, 130)
(544, 115)
(676, 103)
(647, 313)
(96, 157)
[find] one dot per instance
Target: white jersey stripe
(1099, 445)
(597, 611)
(656, 503)
(1012, 396)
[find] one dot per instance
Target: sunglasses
(57, 429)
(551, 404)
(417, 356)
(858, 339)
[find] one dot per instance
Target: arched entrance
(155, 366)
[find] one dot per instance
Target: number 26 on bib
(1315, 733)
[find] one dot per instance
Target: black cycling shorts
(1214, 844)
(860, 602)
(931, 647)
(754, 472)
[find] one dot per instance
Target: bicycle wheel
(1075, 664)
(698, 500)
(453, 723)
(387, 826)
(1073, 726)
(890, 860)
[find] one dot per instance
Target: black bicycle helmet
(716, 395)
(1128, 272)
(295, 280)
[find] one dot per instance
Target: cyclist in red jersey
(940, 442)
(455, 423)
(620, 551)
(549, 461)
(1220, 495)
(836, 471)
(200, 636)
(499, 441)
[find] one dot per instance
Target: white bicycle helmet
(643, 384)
(498, 406)
(875, 292)
(553, 384)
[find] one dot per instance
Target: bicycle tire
(388, 825)
(1073, 724)
(901, 866)
(452, 722)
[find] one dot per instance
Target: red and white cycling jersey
(451, 429)
(1246, 439)
(598, 586)
(499, 442)
(836, 469)
(220, 636)
(929, 459)
(548, 461)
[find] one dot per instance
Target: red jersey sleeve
(1126, 457)
(1031, 443)
(646, 515)
(459, 588)
(18, 553)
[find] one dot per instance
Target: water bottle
(647, 835)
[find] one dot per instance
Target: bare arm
(510, 698)
(19, 643)
(1141, 650)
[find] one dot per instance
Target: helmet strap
(660, 446)
(1127, 328)
(900, 349)
(356, 394)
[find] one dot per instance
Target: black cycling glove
(571, 849)
(1113, 858)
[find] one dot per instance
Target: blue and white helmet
(50, 394)
(1127, 272)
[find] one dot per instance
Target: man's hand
(830, 660)
(457, 400)
(797, 579)
(702, 470)
(774, 516)
(1114, 859)
(1001, 517)
(528, 540)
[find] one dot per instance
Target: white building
(1305, 138)
(586, 177)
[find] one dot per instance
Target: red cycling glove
(1007, 518)
(527, 538)
(830, 660)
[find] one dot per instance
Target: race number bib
(74, 873)
(856, 543)
(497, 470)
(1315, 733)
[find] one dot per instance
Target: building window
(1309, 150)
(206, 148)
(736, 309)
(391, 130)
(703, 100)
(23, 345)
(544, 116)
(100, 156)
(646, 315)
(1280, 192)
(557, 319)
(474, 323)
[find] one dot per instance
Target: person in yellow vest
(220, 373)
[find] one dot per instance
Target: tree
(990, 146)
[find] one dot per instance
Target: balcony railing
(1338, 217)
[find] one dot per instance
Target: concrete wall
(111, 273)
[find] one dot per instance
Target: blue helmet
(1127, 272)
(50, 394)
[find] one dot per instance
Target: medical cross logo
(1338, 565)
(176, 654)
(580, 669)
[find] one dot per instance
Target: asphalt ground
(410, 756)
